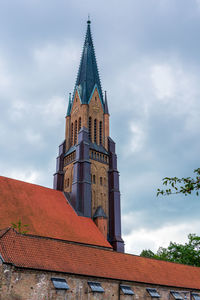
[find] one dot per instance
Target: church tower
(86, 168)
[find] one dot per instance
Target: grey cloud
(130, 38)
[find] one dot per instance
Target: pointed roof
(99, 213)
(88, 75)
(69, 105)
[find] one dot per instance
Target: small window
(67, 182)
(96, 287)
(94, 179)
(196, 296)
(101, 181)
(60, 283)
(126, 289)
(153, 293)
(176, 295)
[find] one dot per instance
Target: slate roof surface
(55, 255)
(46, 211)
(88, 75)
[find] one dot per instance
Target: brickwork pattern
(24, 284)
(99, 171)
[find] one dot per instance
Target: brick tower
(86, 168)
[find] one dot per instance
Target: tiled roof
(54, 255)
(46, 211)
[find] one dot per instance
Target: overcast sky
(148, 53)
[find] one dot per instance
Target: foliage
(20, 227)
(188, 254)
(181, 185)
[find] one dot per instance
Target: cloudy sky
(148, 53)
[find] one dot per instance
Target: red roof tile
(47, 213)
(55, 255)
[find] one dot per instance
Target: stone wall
(24, 284)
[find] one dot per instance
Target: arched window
(72, 133)
(79, 124)
(101, 181)
(94, 179)
(100, 132)
(90, 128)
(75, 133)
(95, 130)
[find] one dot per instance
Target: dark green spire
(88, 75)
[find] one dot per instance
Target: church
(66, 242)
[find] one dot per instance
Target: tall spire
(88, 75)
(69, 105)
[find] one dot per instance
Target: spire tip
(88, 21)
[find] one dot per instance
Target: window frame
(176, 295)
(126, 289)
(153, 292)
(62, 281)
(96, 287)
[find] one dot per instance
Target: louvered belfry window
(72, 133)
(79, 124)
(90, 128)
(75, 133)
(95, 130)
(100, 132)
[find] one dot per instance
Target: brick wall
(24, 284)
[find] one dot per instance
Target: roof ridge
(59, 240)
(4, 231)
